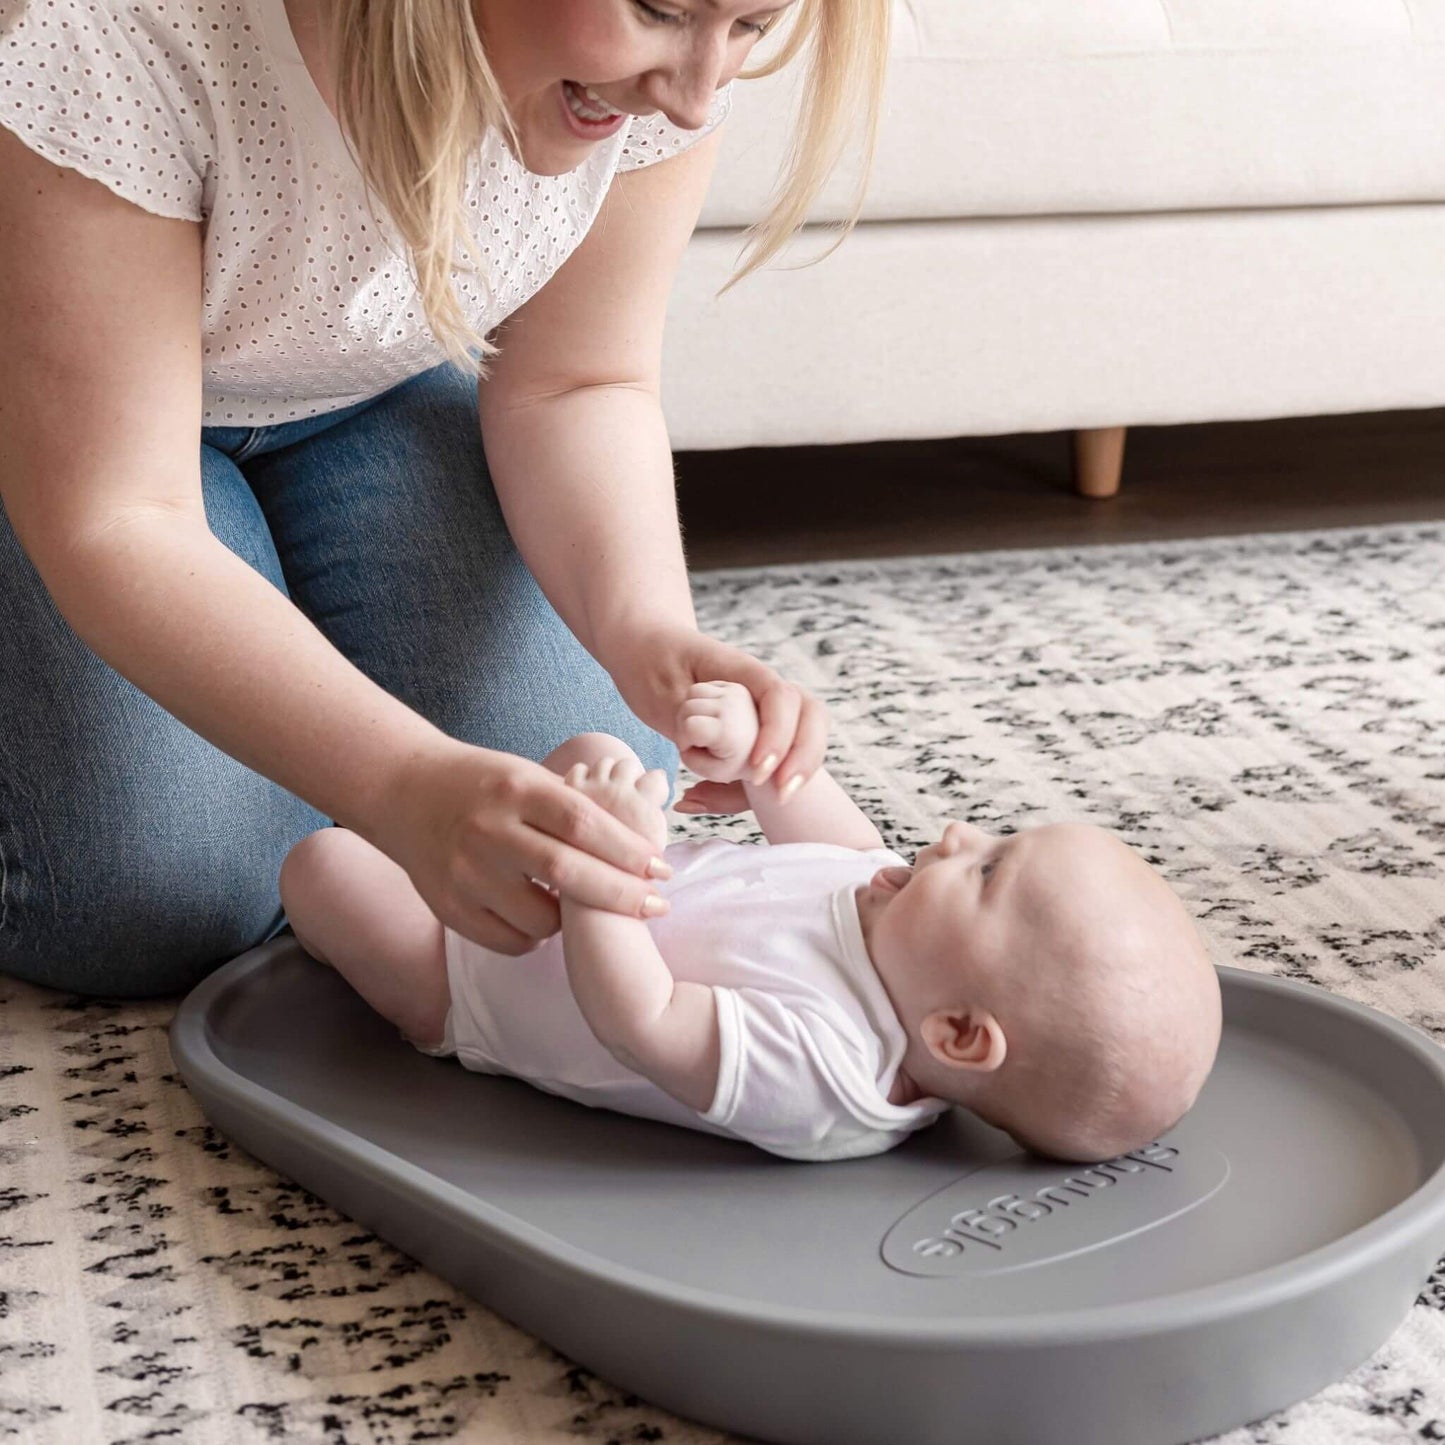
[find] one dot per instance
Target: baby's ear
(965, 1038)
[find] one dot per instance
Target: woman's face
(667, 56)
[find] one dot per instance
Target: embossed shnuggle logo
(1004, 1218)
(1001, 1216)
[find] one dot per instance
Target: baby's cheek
(948, 918)
(954, 954)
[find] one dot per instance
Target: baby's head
(1050, 981)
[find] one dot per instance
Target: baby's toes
(626, 772)
(653, 787)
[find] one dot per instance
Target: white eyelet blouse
(204, 110)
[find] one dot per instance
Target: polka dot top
(204, 110)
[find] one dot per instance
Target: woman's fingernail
(654, 904)
(656, 868)
(765, 767)
(790, 787)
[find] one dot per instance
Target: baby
(817, 997)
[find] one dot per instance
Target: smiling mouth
(588, 106)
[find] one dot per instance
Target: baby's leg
(352, 907)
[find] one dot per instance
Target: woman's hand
(474, 828)
(632, 796)
(655, 668)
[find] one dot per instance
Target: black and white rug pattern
(1264, 718)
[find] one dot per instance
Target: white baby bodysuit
(204, 110)
(811, 1044)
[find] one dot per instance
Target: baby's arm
(721, 718)
(818, 812)
(663, 1029)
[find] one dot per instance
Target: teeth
(599, 110)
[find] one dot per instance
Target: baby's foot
(719, 722)
(629, 794)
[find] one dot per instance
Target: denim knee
(148, 903)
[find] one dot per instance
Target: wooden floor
(753, 507)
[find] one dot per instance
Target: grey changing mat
(951, 1291)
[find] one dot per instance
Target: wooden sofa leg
(1098, 460)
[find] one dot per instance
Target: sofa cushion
(1055, 106)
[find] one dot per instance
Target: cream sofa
(1085, 216)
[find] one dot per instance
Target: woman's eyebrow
(777, 10)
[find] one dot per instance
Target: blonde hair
(415, 95)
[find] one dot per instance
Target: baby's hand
(720, 721)
(629, 794)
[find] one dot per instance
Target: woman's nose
(688, 110)
(684, 93)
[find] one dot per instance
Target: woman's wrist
(626, 638)
(387, 815)
(645, 657)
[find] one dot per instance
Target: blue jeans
(134, 856)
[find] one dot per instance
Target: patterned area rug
(1264, 718)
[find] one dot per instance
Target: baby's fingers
(701, 731)
(701, 707)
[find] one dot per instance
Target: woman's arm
(100, 418)
(572, 413)
(577, 445)
(100, 424)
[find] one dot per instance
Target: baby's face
(974, 900)
(1039, 932)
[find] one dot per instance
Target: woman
(289, 230)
